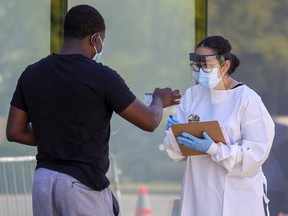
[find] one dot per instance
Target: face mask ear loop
(102, 43)
(193, 81)
(94, 46)
(224, 76)
(101, 40)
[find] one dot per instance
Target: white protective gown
(228, 181)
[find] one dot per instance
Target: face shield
(207, 63)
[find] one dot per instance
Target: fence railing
(15, 185)
(16, 176)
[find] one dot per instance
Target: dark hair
(82, 20)
(221, 46)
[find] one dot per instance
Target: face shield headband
(196, 58)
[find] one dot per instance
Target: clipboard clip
(193, 118)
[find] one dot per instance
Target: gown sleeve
(170, 142)
(245, 156)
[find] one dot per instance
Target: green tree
(257, 31)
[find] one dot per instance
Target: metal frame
(58, 9)
(201, 14)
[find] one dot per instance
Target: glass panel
(25, 38)
(148, 43)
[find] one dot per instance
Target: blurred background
(148, 43)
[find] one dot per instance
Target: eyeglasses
(201, 61)
(205, 67)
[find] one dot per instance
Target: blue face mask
(97, 55)
(208, 80)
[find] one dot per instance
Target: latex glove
(198, 144)
(172, 120)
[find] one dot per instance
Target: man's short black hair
(82, 20)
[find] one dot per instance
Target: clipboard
(212, 128)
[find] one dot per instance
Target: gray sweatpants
(57, 194)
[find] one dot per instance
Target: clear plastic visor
(205, 58)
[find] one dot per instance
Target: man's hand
(149, 117)
(166, 96)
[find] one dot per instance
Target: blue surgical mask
(98, 55)
(209, 80)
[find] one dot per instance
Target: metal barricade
(16, 185)
(16, 176)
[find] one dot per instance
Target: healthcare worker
(228, 179)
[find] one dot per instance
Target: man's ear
(94, 38)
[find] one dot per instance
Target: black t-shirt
(70, 100)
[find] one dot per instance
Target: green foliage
(257, 31)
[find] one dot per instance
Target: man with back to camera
(69, 99)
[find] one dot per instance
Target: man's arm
(18, 128)
(149, 117)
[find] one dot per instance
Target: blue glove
(195, 143)
(171, 120)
